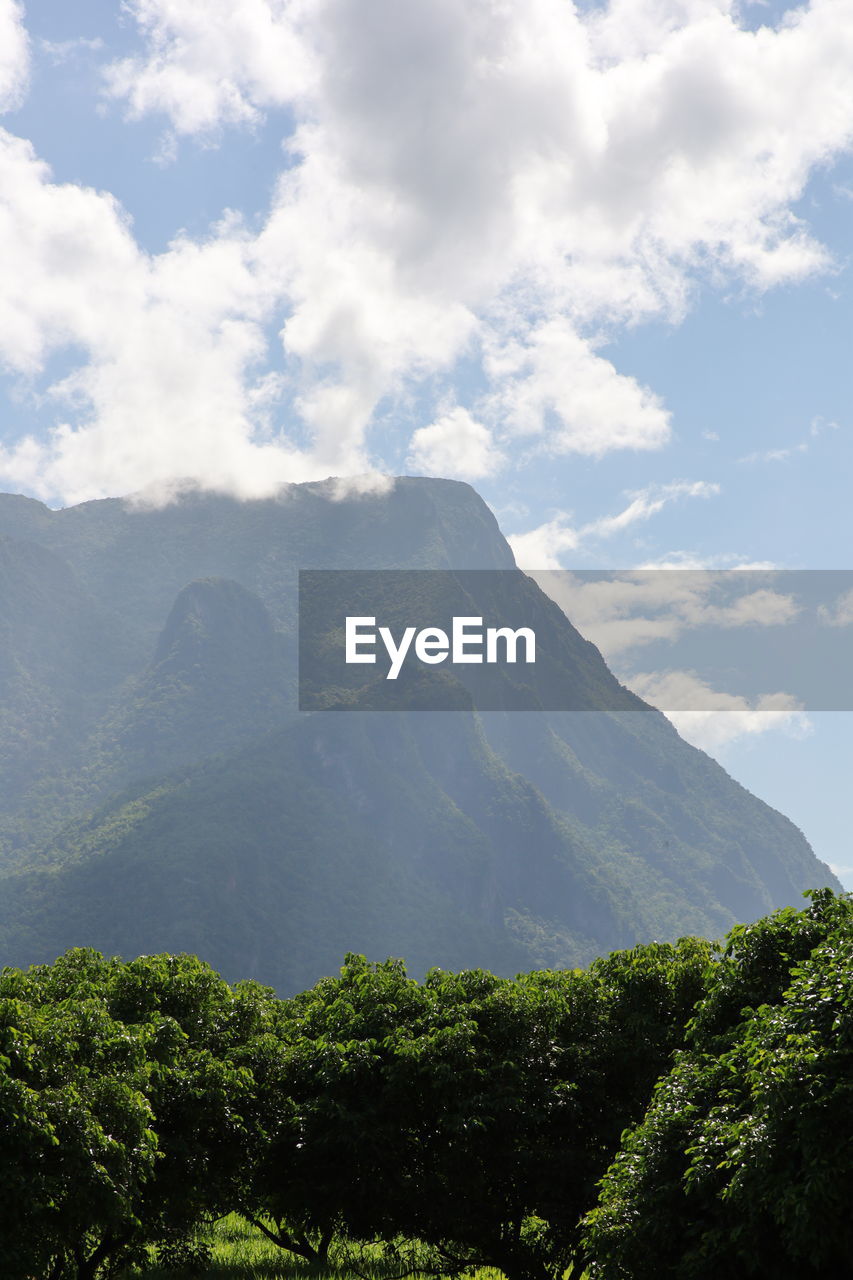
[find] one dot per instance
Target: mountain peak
(215, 620)
(272, 840)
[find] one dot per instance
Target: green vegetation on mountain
(159, 789)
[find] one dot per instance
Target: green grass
(239, 1252)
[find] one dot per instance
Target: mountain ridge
(263, 837)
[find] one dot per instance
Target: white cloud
(775, 455)
(209, 63)
(617, 614)
(541, 548)
(455, 445)
(712, 720)
(762, 608)
(556, 372)
(168, 391)
(648, 502)
(14, 55)
(839, 613)
(544, 545)
(688, 560)
(70, 261)
(844, 873)
(621, 612)
(504, 180)
(817, 427)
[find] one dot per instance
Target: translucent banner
(678, 640)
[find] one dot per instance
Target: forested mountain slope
(159, 789)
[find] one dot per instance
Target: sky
(593, 258)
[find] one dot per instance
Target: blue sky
(594, 259)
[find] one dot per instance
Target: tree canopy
(703, 1093)
(743, 1164)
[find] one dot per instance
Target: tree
(75, 1133)
(333, 1134)
(470, 1112)
(743, 1164)
(199, 1086)
(522, 1101)
(124, 1098)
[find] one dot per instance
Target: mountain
(160, 790)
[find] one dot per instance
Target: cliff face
(160, 790)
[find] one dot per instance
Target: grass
(239, 1252)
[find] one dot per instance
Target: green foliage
(159, 791)
(189, 1255)
(77, 1131)
(375, 1124)
(742, 1164)
(122, 1093)
(471, 1112)
(468, 1112)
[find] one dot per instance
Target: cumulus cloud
(542, 547)
(455, 445)
(211, 62)
(710, 719)
(167, 390)
(556, 372)
(503, 182)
